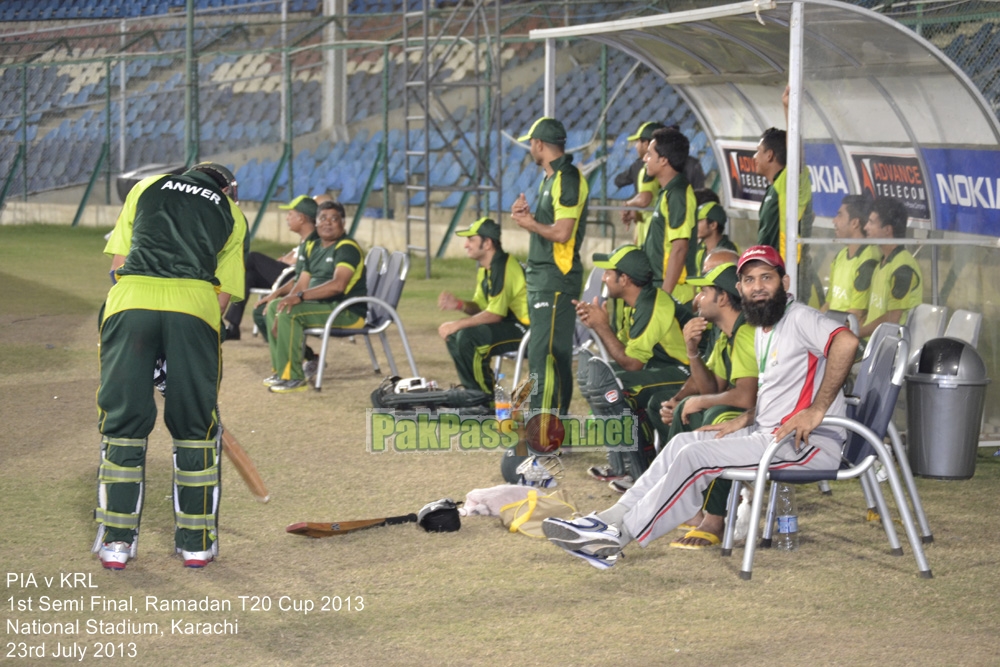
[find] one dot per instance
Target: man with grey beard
(803, 358)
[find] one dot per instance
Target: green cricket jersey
(654, 336)
(771, 227)
(321, 263)
(896, 285)
(673, 219)
(183, 242)
(644, 183)
(851, 278)
(734, 357)
(502, 289)
(556, 267)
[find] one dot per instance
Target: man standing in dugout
(669, 244)
(555, 273)
(177, 249)
(497, 314)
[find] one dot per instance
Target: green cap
(628, 259)
(723, 276)
(484, 227)
(712, 211)
(645, 131)
(549, 130)
(304, 204)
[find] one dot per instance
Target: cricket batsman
(177, 249)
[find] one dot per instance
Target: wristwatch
(301, 296)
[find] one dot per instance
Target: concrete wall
(390, 234)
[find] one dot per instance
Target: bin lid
(947, 359)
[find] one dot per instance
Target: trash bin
(945, 395)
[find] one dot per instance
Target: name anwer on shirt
(192, 189)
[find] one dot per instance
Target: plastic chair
(925, 322)
(965, 325)
(381, 314)
(867, 422)
(848, 319)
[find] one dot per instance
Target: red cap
(760, 253)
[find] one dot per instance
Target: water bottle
(501, 399)
(787, 537)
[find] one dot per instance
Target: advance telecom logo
(896, 176)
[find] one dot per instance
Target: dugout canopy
(879, 108)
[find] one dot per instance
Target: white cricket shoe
(114, 555)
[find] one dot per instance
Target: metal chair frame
(862, 468)
(388, 292)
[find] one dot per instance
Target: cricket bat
(244, 466)
(330, 529)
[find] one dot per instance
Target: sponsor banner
(965, 185)
(826, 171)
(893, 173)
(829, 179)
(745, 185)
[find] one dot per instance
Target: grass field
(400, 596)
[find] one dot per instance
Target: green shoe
(288, 386)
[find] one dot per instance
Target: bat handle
(407, 518)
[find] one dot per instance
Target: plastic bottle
(787, 537)
(501, 398)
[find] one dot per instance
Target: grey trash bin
(945, 395)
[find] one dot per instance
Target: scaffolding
(437, 136)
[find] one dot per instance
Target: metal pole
(793, 166)
(189, 153)
(385, 130)
(121, 106)
(287, 111)
(604, 128)
(107, 134)
(24, 130)
(550, 78)
(285, 134)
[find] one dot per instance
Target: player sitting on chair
(720, 388)
(497, 314)
(803, 358)
(332, 272)
(896, 284)
(649, 353)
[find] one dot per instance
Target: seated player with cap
(332, 271)
(804, 358)
(262, 271)
(710, 225)
(497, 314)
(301, 219)
(721, 387)
(649, 354)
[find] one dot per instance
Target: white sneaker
(114, 555)
(197, 558)
(272, 380)
(588, 535)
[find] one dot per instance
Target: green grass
(481, 596)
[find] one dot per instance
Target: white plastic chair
(964, 325)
